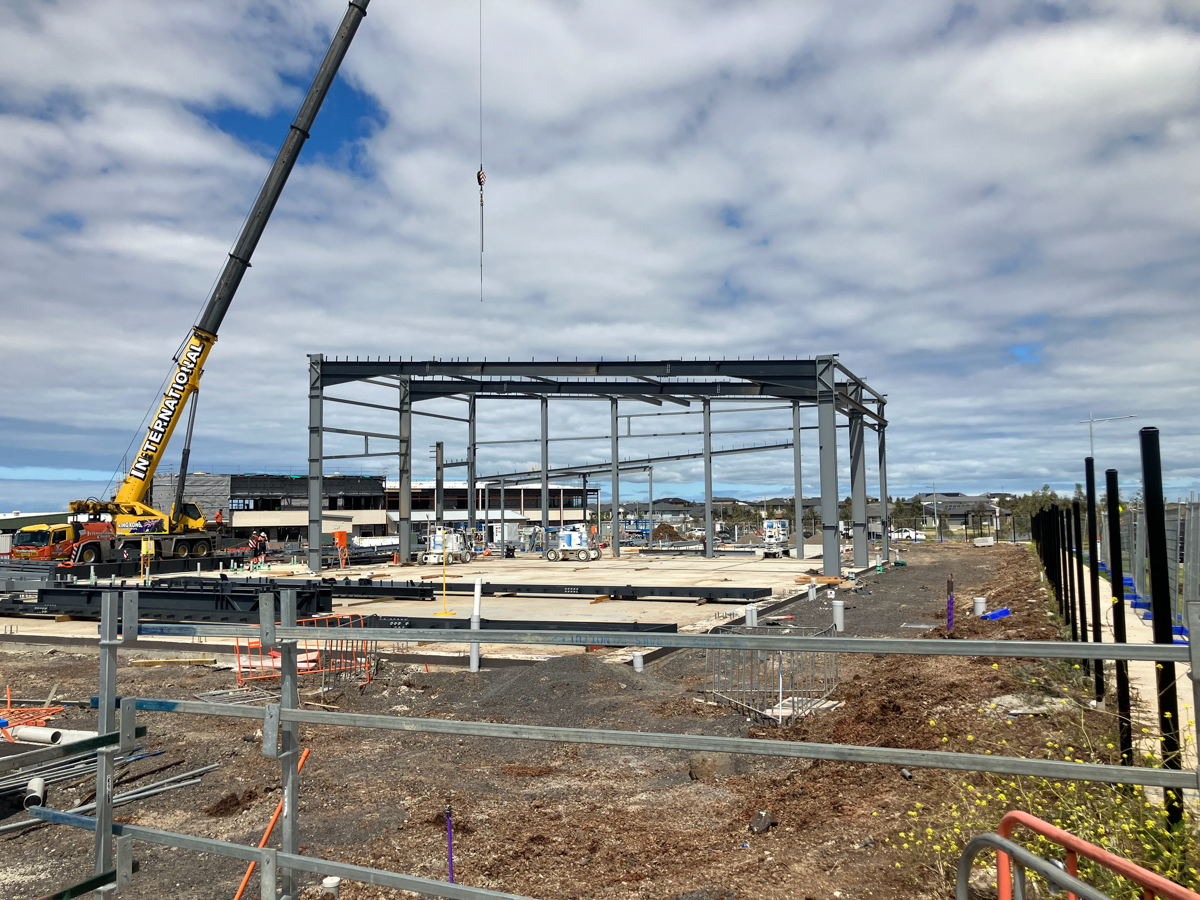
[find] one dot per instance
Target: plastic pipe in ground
(267, 834)
(839, 615)
(475, 623)
(639, 662)
(35, 792)
(36, 734)
(752, 615)
(980, 606)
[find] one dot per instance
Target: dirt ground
(569, 821)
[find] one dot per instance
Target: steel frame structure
(281, 721)
(822, 382)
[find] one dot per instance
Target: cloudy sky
(988, 210)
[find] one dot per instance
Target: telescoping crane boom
(128, 508)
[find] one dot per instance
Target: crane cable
(481, 176)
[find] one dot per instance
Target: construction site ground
(573, 821)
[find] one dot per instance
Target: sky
(987, 210)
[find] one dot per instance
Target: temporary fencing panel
(335, 660)
(773, 685)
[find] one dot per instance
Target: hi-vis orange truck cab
(46, 541)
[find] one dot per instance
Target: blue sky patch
(54, 225)
(347, 116)
(1026, 354)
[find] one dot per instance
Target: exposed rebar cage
(771, 685)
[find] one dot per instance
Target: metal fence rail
(280, 722)
(771, 685)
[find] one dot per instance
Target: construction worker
(220, 519)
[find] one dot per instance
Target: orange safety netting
(343, 657)
(23, 715)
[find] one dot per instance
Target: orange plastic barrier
(344, 656)
(1152, 884)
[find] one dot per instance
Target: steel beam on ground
(831, 556)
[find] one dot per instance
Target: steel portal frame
(823, 382)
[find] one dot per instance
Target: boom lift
(181, 532)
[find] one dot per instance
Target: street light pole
(1091, 423)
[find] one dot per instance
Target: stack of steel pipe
(62, 770)
(185, 779)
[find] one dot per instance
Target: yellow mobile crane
(182, 531)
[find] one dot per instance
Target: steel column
(404, 495)
(472, 518)
(545, 404)
(649, 506)
(316, 452)
(439, 485)
(616, 484)
(289, 755)
(709, 533)
(885, 516)
(858, 490)
(831, 557)
(797, 479)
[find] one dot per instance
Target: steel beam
(831, 556)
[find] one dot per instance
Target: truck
(445, 541)
(570, 542)
(52, 542)
(183, 531)
(775, 538)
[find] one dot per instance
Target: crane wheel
(182, 550)
(594, 554)
(200, 548)
(89, 554)
(582, 556)
(466, 556)
(552, 555)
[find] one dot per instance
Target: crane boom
(190, 364)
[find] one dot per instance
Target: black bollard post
(1116, 575)
(1089, 466)
(1081, 597)
(1160, 606)
(1069, 575)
